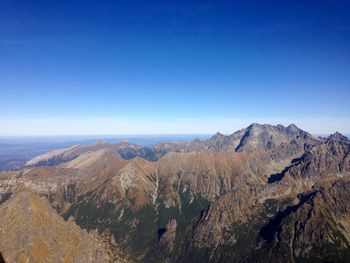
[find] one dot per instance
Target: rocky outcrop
(337, 136)
(329, 159)
(167, 236)
(278, 142)
(31, 231)
(315, 229)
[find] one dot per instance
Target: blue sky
(155, 67)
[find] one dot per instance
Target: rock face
(331, 159)
(31, 231)
(167, 236)
(315, 229)
(263, 194)
(278, 141)
(302, 217)
(338, 136)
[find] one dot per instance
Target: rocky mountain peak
(218, 135)
(337, 136)
(292, 128)
(278, 141)
(256, 125)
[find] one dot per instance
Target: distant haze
(157, 126)
(65, 140)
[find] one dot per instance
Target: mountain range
(262, 194)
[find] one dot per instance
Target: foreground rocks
(32, 231)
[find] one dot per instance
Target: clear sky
(160, 67)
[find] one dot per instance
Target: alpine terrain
(262, 194)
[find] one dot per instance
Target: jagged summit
(293, 128)
(337, 136)
(256, 125)
(218, 134)
(282, 142)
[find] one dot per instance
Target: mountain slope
(31, 231)
(253, 196)
(277, 222)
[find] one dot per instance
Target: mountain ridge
(197, 199)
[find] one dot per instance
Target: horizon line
(102, 126)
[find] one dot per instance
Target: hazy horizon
(156, 126)
(91, 138)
